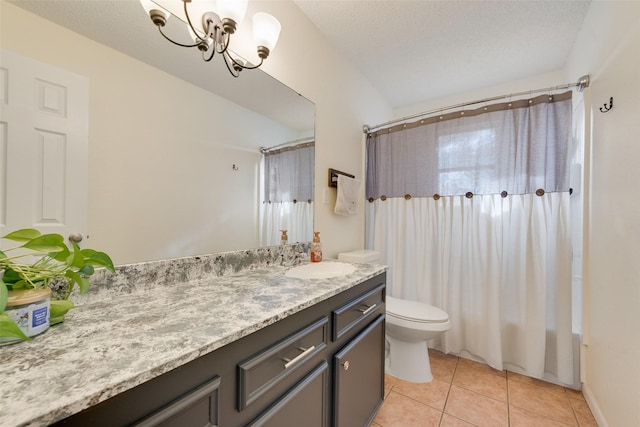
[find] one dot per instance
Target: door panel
(44, 147)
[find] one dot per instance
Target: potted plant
(37, 262)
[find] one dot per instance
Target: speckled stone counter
(147, 320)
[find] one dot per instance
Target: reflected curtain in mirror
(287, 194)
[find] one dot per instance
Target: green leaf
(81, 281)
(75, 259)
(61, 255)
(4, 295)
(56, 320)
(59, 308)
(9, 329)
(87, 270)
(101, 259)
(23, 235)
(2, 255)
(46, 243)
(10, 276)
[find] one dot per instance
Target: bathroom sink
(320, 270)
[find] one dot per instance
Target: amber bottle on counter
(316, 248)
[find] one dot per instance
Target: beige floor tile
(476, 408)
(538, 399)
(481, 381)
(574, 394)
(449, 421)
(401, 411)
(433, 393)
(519, 417)
(462, 362)
(547, 386)
(442, 365)
(583, 413)
(389, 381)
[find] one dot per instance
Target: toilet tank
(362, 256)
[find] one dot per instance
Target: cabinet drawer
(197, 408)
(262, 372)
(351, 314)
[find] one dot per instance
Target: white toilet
(409, 325)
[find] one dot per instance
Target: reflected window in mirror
(287, 193)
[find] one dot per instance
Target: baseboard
(593, 405)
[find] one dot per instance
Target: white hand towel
(348, 195)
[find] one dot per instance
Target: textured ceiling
(414, 51)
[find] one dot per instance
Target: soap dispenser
(284, 238)
(316, 248)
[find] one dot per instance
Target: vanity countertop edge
(108, 345)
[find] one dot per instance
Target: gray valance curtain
(288, 174)
(517, 147)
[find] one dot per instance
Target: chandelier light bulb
(158, 15)
(266, 30)
(232, 9)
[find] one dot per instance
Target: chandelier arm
(200, 39)
(225, 43)
(174, 42)
(234, 72)
(208, 59)
(245, 67)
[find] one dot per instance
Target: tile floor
(464, 393)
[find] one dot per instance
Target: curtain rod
(582, 83)
(284, 144)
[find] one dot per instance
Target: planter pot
(30, 310)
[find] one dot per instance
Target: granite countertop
(116, 339)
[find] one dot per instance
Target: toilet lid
(415, 311)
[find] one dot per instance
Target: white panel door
(43, 147)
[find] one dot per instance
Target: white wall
(304, 61)
(160, 187)
(608, 48)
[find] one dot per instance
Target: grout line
(508, 399)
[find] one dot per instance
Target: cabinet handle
(299, 357)
(345, 365)
(368, 309)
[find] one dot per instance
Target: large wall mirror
(174, 164)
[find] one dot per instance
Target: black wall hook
(604, 108)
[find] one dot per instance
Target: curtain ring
(468, 194)
(383, 197)
(407, 196)
(371, 200)
(504, 194)
(540, 192)
(436, 196)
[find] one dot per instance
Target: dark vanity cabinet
(320, 367)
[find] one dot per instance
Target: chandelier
(211, 24)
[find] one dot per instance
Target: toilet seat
(414, 311)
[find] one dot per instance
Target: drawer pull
(299, 357)
(345, 365)
(368, 309)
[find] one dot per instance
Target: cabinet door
(303, 405)
(358, 377)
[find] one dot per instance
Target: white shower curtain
(501, 268)
(472, 236)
